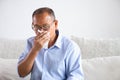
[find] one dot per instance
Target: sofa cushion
(8, 70)
(11, 48)
(106, 68)
(92, 48)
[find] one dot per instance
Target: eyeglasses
(45, 27)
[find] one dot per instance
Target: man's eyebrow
(42, 24)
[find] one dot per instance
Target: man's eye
(46, 26)
(36, 26)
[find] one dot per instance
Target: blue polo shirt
(62, 61)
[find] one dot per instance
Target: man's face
(44, 22)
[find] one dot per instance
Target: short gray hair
(43, 10)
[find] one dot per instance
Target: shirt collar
(58, 42)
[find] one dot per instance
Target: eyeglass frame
(44, 27)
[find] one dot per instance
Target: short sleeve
(28, 46)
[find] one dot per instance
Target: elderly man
(60, 60)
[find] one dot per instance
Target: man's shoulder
(30, 39)
(69, 41)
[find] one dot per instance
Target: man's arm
(25, 66)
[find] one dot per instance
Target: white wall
(83, 18)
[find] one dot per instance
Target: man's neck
(53, 40)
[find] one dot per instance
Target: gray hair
(43, 10)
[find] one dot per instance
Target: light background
(82, 18)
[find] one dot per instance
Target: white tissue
(46, 45)
(47, 42)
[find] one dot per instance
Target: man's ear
(56, 24)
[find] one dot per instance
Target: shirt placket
(44, 70)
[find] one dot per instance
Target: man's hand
(40, 40)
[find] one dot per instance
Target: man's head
(43, 19)
(43, 10)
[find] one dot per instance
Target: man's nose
(40, 30)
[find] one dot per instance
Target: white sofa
(100, 58)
